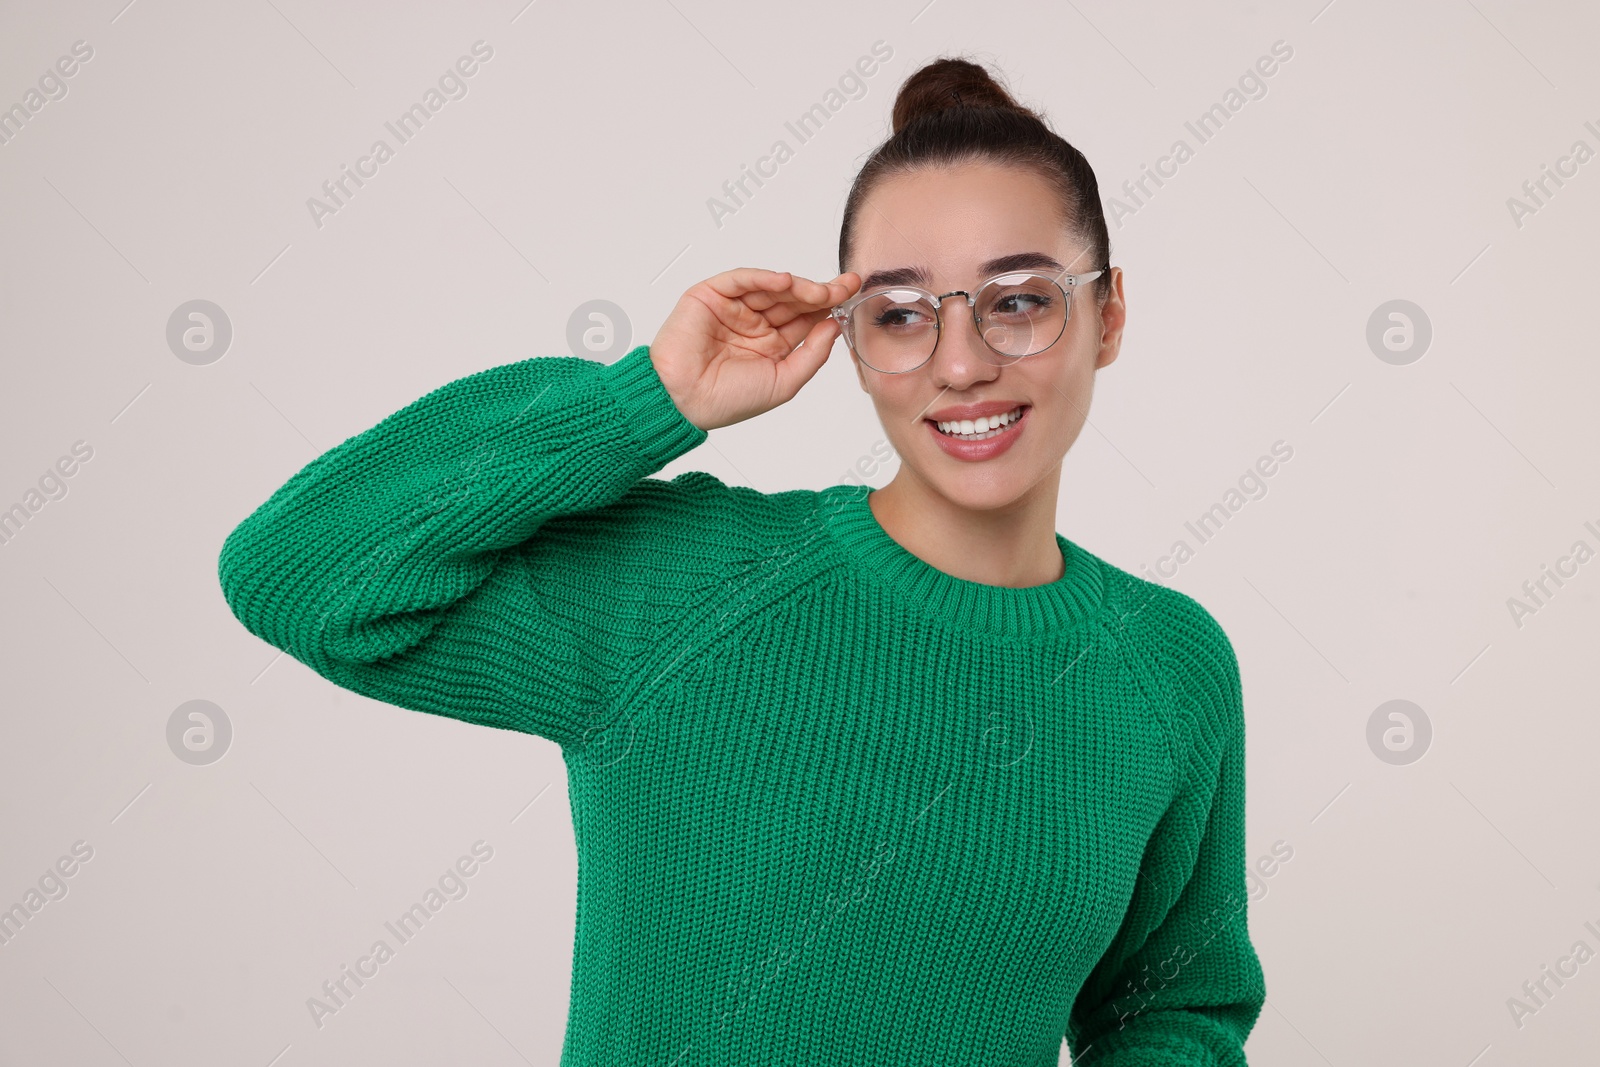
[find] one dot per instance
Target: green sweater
(831, 804)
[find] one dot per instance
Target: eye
(1023, 303)
(898, 316)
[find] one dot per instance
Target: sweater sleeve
(1181, 984)
(439, 560)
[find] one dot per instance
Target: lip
(977, 451)
(975, 411)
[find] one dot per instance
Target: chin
(979, 489)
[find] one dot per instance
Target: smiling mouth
(981, 429)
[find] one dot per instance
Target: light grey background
(1378, 566)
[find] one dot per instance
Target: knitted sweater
(831, 804)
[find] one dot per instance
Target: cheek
(1062, 402)
(1071, 410)
(898, 407)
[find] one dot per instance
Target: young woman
(858, 777)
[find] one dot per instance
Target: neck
(1013, 545)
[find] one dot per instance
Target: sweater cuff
(656, 427)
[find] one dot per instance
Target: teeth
(975, 427)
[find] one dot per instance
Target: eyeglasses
(895, 328)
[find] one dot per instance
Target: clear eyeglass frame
(1066, 283)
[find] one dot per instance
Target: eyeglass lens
(1019, 315)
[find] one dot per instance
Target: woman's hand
(745, 341)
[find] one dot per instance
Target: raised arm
(406, 563)
(494, 551)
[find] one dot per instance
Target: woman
(884, 777)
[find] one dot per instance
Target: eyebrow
(920, 276)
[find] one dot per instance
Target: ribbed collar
(1034, 611)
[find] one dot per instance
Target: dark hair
(952, 111)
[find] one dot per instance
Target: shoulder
(701, 508)
(1184, 652)
(693, 527)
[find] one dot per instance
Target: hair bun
(946, 83)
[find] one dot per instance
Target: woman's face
(950, 222)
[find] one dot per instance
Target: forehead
(950, 226)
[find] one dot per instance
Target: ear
(1113, 317)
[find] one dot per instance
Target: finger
(780, 315)
(789, 320)
(799, 288)
(797, 329)
(810, 291)
(829, 292)
(803, 294)
(802, 364)
(741, 280)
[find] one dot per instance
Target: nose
(961, 357)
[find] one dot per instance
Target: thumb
(801, 365)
